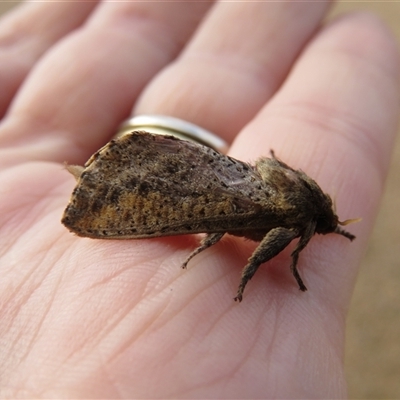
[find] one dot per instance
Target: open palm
(85, 318)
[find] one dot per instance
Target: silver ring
(163, 125)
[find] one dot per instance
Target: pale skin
(81, 318)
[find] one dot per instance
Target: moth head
(331, 224)
(326, 218)
(326, 223)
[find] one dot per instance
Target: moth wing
(144, 185)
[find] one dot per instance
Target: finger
(27, 32)
(336, 119)
(87, 84)
(234, 64)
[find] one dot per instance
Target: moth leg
(304, 239)
(207, 242)
(271, 245)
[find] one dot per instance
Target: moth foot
(239, 295)
(302, 286)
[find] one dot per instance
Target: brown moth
(143, 185)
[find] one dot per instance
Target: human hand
(84, 318)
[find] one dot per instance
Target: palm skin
(120, 319)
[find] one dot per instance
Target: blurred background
(373, 332)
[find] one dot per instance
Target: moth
(143, 185)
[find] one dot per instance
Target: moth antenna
(349, 221)
(344, 233)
